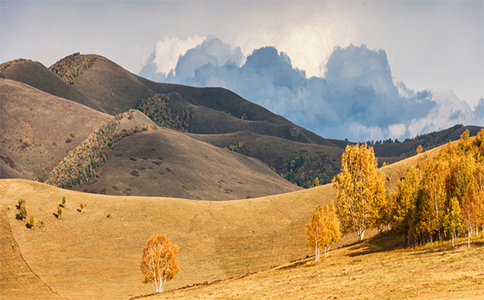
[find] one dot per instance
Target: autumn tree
(471, 214)
(452, 220)
(159, 262)
(359, 189)
(323, 231)
(403, 205)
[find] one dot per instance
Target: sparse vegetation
(302, 170)
(158, 109)
(159, 262)
(32, 222)
(7, 64)
(41, 224)
(22, 207)
(72, 66)
(81, 163)
(59, 212)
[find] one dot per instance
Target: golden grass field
(90, 256)
(362, 270)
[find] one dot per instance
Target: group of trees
(442, 196)
(72, 66)
(158, 109)
(302, 170)
(81, 163)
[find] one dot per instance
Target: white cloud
(168, 50)
(356, 99)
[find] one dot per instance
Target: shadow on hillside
(381, 242)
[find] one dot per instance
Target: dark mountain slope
(169, 163)
(297, 162)
(111, 87)
(38, 76)
(37, 129)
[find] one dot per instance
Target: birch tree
(159, 262)
(452, 220)
(323, 231)
(359, 189)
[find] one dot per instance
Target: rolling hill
(38, 76)
(37, 129)
(101, 254)
(168, 163)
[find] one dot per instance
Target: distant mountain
(38, 131)
(213, 115)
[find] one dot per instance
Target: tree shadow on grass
(381, 242)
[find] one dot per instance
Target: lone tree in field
(359, 189)
(159, 262)
(322, 231)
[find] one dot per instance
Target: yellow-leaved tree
(322, 231)
(159, 262)
(359, 189)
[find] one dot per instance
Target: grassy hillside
(37, 129)
(364, 270)
(111, 87)
(168, 163)
(102, 255)
(217, 240)
(297, 162)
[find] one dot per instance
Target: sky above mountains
(359, 70)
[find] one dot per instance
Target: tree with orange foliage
(159, 262)
(322, 231)
(359, 189)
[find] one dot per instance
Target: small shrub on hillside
(22, 206)
(41, 224)
(59, 212)
(109, 216)
(64, 202)
(21, 203)
(31, 222)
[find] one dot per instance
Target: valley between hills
(227, 180)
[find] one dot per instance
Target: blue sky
(347, 69)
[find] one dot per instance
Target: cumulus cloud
(165, 56)
(357, 98)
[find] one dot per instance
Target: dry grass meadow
(88, 255)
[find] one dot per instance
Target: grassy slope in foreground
(89, 256)
(101, 255)
(363, 270)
